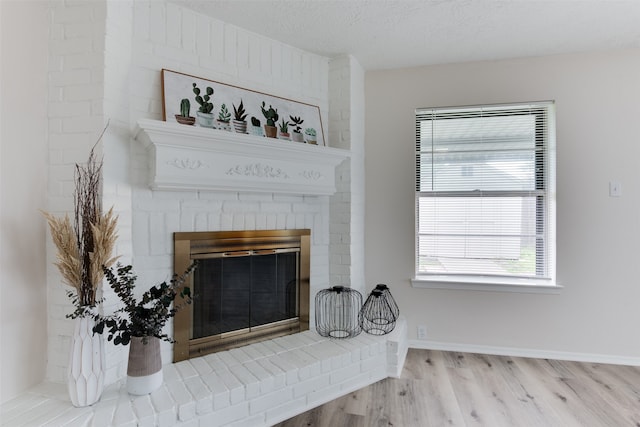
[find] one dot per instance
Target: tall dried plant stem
(68, 257)
(86, 246)
(88, 206)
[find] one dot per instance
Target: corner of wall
(346, 131)
(23, 187)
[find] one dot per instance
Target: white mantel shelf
(195, 158)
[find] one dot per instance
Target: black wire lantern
(386, 293)
(337, 312)
(376, 316)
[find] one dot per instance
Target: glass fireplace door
(238, 292)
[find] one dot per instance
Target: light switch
(615, 189)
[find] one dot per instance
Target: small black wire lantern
(337, 312)
(376, 316)
(386, 293)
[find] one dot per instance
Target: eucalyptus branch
(148, 316)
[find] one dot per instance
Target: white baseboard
(526, 352)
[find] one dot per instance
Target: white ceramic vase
(85, 375)
(144, 370)
(297, 137)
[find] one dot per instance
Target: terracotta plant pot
(271, 131)
(185, 120)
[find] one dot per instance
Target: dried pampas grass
(69, 261)
(85, 245)
(64, 238)
(104, 240)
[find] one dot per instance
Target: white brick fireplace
(233, 182)
(113, 75)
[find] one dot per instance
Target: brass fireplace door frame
(193, 245)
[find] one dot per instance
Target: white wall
(598, 136)
(24, 31)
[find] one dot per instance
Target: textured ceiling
(404, 33)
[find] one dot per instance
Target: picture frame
(177, 86)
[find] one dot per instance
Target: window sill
(491, 284)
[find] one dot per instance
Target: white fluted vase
(144, 370)
(85, 375)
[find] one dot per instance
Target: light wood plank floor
(439, 388)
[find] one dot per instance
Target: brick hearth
(257, 385)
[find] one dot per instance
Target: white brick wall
(346, 116)
(105, 64)
(170, 36)
(75, 122)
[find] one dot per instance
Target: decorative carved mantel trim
(195, 158)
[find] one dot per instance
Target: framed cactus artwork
(209, 100)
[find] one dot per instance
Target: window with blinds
(485, 179)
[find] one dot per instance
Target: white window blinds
(484, 180)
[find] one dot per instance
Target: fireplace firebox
(249, 286)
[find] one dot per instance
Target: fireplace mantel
(194, 158)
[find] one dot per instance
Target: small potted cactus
(205, 112)
(310, 134)
(224, 116)
(296, 135)
(255, 127)
(184, 117)
(284, 129)
(272, 117)
(240, 118)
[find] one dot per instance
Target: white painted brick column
(76, 119)
(346, 116)
(117, 191)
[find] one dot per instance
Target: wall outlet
(615, 189)
(422, 332)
